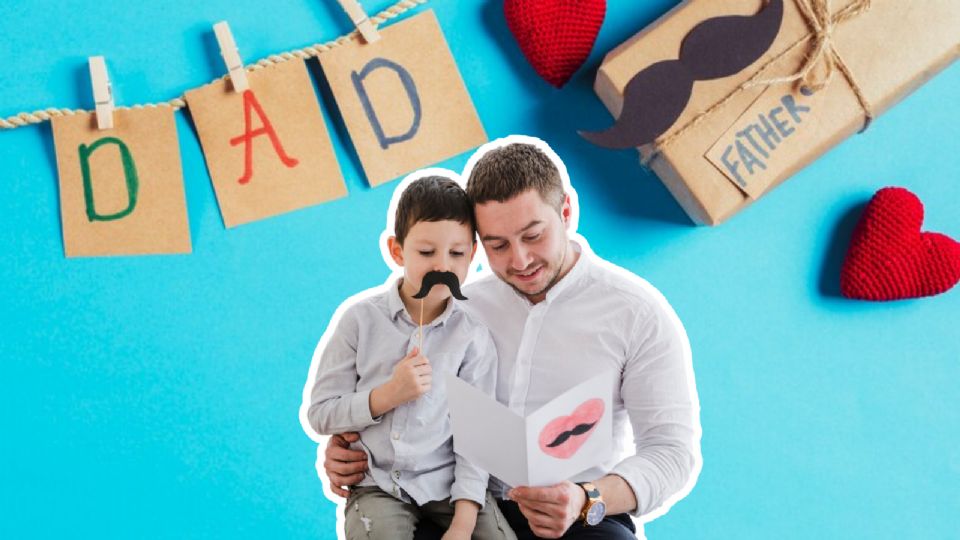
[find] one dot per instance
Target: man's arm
(657, 391)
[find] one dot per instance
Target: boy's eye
(457, 253)
(426, 253)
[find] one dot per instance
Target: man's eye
(499, 247)
(532, 238)
(426, 253)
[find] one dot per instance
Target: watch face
(596, 513)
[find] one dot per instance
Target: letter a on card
(267, 148)
(402, 99)
(121, 189)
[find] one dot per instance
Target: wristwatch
(594, 509)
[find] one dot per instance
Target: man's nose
(519, 257)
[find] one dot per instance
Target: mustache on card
(657, 95)
(434, 277)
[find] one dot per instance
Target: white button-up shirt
(599, 318)
(409, 449)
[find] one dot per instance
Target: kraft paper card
(121, 189)
(267, 149)
(568, 435)
(402, 99)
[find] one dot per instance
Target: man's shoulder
(624, 285)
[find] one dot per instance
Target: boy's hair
(508, 171)
(432, 198)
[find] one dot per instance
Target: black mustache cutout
(657, 95)
(433, 277)
(579, 430)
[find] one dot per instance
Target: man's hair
(432, 198)
(508, 171)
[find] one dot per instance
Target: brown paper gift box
(891, 48)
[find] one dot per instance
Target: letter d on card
(402, 99)
(121, 189)
(267, 148)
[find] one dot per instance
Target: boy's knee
(376, 516)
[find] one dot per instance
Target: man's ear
(396, 250)
(566, 211)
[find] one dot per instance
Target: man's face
(525, 240)
(445, 246)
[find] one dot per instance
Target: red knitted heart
(890, 259)
(555, 35)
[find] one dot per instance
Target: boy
(374, 378)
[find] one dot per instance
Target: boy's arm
(479, 368)
(335, 405)
(464, 518)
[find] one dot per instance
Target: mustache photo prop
(657, 95)
(444, 278)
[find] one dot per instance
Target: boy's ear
(395, 249)
(473, 251)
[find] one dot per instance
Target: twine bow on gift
(811, 79)
(817, 14)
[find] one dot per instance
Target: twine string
(43, 115)
(814, 74)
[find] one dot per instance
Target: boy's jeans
(373, 514)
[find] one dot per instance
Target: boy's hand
(457, 532)
(344, 467)
(411, 378)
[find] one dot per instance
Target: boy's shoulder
(362, 305)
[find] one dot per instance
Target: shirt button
(396, 436)
(396, 474)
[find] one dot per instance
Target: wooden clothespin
(102, 92)
(360, 20)
(231, 55)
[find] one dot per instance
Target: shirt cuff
(471, 490)
(633, 478)
(360, 410)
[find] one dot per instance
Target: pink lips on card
(563, 436)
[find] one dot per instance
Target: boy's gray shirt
(409, 449)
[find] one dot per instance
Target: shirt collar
(578, 270)
(397, 309)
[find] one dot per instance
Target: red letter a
(250, 102)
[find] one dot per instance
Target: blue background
(157, 397)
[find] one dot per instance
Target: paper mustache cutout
(433, 277)
(657, 95)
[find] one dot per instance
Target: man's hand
(344, 467)
(550, 510)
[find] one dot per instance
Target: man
(559, 315)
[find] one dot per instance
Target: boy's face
(526, 241)
(445, 246)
